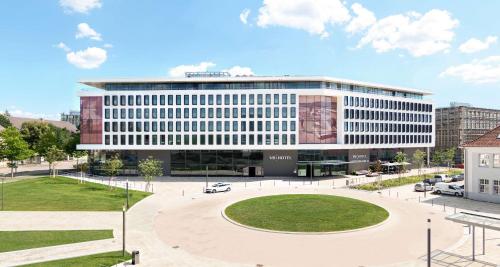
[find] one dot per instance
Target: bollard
(455, 212)
(444, 206)
(397, 194)
(274, 183)
(182, 192)
(418, 199)
(432, 202)
(318, 182)
(245, 184)
(333, 183)
(389, 192)
(260, 182)
(203, 188)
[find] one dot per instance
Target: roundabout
(305, 213)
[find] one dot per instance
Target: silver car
(422, 187)
(218, 187)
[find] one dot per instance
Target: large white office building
(253, 125)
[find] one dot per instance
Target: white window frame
(496, 187)
(484, 186)
(496, 160)
(484, 160)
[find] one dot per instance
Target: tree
(438, 158)
(418, 160)
(112, 167)
(150, 168)
(32, 132)
(449, 156)
(13, 147)
(5, 121)
(378, 166)
(53, 155)
(401, 159)
(70, 148)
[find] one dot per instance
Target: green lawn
(18, 240)
(400, 181)
(306, 213)
(65, 194)
(96, 260)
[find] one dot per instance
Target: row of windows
(202, 126)
(227, 99)
(484, 186)
(211, 139)
(194, 113)
(385, 104)
(387, 139)
(386, 127)
(388, 116)
(485, 160)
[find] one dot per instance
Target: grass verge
(306, 213)
(65, 194)
(18, 240)
(374, 186)
(100, 260)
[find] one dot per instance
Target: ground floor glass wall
(216, 162)
(320, 165)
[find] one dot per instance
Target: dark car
(432, 181)
(458, 177)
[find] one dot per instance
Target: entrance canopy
(487, 222)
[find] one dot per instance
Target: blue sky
(447, 47)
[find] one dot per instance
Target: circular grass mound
(306, 213)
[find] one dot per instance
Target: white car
(449, 189)
(218, 187)
(421, 187)
(444, 177)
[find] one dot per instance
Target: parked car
(218, 187)
(432, 181)
(449, 189)
(422, 187)
(444, 177)
(457, 178)
(373, 174)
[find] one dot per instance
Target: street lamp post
(206, 178)
(428, 242)
(123, 238)
(127, 195)
(3, 178)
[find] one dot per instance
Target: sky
(449, 48)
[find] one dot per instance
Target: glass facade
(91, 120)
(219, 163)
(317, 120)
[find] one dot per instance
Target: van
(442, 178)
(448, 189)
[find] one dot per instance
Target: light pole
(127, 195)
(206, 179)
(123, 238)
(3, 178)
(312, 170)
(428, 242)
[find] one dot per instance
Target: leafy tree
(53, 155)
(150, 168)
(378, 167)
(13, 147)
(401, 159)
(33, 131)
(112, 167)
(418, 160)
(438, 158)
(449, 156)
(70, 148)
(5, 121)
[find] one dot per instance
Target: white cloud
(485, 70)
(474, 45)
(244, 15)
(80, 6)
(63, 46)
(420, 35)
(180, 70)
(312, 16)
(85, 31)
(364, 19)
(89, 58)
(239, 71)
(108, 46)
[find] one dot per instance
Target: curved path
(174, 230)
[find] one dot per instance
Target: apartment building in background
(212, 123)
(461, 123)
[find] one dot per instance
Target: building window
(484, 185)
(496, 160)
(496, 187)
(484, 160)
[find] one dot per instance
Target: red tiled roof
(18, 122)
(489, 139)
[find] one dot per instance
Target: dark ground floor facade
(251, 163)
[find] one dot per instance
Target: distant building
(18, 123)
(482, 167)
(461, 123)
(72, 117)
